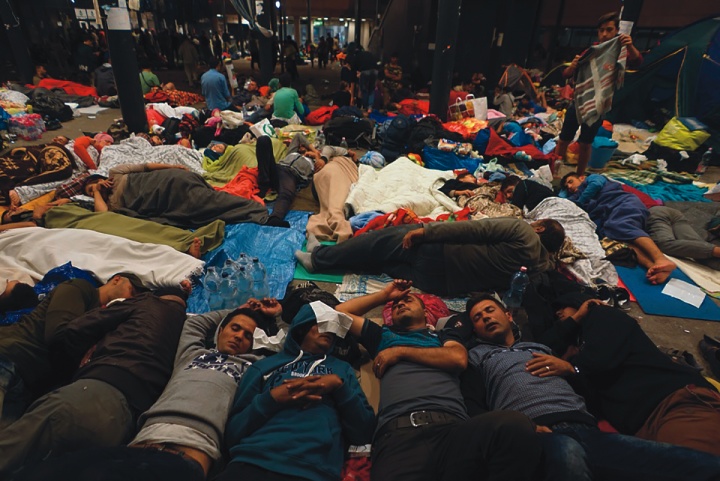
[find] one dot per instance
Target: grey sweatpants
(87, 413)
(674, 235)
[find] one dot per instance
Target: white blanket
(581, 231)
(402, 184)
(137, 150)
(33, 251)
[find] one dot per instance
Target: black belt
(418, 419)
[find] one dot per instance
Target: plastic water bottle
(244, 286)
(320, 140)
(344, 143)
(704, 162)
(259, 278)
(514, 296)
(228, 285)
(211, 282)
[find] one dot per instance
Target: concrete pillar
(444, 58)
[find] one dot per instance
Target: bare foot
(659, 273)
(14, 199)
(194, 249)
(186, 286)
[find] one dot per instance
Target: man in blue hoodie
(296, 411)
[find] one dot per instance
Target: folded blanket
(402, 184)
(33, 251)
(333, 184)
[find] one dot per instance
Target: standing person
(148, 79)
(349, 75)
(393, 76)
(295, 411)
(254, 52)
(189, 56)
(607, 29)
(322, 52)
(121, 377)
(28, 348)
(85, 60)
(290, 53)
(215, 88)
(182, 433)
(105, 80)
(423, 429)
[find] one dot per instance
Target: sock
(312, 243)
(305, 258)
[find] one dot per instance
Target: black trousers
(276, 177)
(381, 251)
(250, 472)
(500, 445)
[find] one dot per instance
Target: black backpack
(396, 137)
(48, 104)
(356, 131)
(429, 128)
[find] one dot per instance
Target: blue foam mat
(653, 301)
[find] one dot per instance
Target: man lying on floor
(445, 258)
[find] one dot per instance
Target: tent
(517, 78)
(681, 75)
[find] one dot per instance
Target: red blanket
(245, 184)
(498, 147)
(406, 216)
(70, 88)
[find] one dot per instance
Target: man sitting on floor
(575, 449)
(423, 430)
(445, 258)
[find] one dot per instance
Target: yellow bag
(676, 135)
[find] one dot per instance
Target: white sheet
(402, 184)
(581, 231)
(33, 251)
(703, 276)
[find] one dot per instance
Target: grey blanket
(183, 199)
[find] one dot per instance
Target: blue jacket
(309, 443)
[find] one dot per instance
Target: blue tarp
(274, 246)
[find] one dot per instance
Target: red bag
(320, 115)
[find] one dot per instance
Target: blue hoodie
(309, 443)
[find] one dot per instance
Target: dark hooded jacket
(292, 440)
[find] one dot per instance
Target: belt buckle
(415, 424)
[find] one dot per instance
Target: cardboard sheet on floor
(653, 301)
(301, 274)
(274, 246)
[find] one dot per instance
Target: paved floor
(678, 333)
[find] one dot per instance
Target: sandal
(710, 349)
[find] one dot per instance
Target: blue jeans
(577, 451)
(14, 398)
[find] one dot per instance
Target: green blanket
(223, 170)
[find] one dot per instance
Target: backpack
(396, 136)
(172, 127)
(320, 115)
(429, 128)
(48, 104)
(356, 131)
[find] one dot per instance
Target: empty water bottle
(514, 296)
(704, 162)
(228, 289)
(259, 278)
(211, 283)
(244, 286)
(343, 143)
(320, 140)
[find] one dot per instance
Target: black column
(266, 46)
(358, 22)
(18, 42)
(125, 67)
(631, 10)
(444, 59)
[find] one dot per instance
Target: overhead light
(326, 19)
(304, 18)
(277, 4)
(342, 19)
(219, 15)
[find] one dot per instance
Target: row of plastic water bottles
(236, 282)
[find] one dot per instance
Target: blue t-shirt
(215, 90)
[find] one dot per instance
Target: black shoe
(710, 349)
(683, 358)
